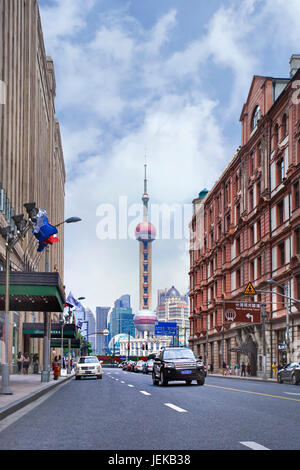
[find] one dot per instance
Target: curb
(22, 402)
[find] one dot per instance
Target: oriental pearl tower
(145, 233)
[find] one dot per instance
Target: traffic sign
(166, 328)
(242, 312)
(249, 289)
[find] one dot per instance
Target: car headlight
(170, 365)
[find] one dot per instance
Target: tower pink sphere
(145, 231)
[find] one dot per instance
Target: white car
(88, 366)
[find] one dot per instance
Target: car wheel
(294, 380)
(99, 376)
(188, 382)
(77, 377)
(154, 379)
(201, 381)
(163, 380)
(279, 379)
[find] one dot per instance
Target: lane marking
(176, 408)
(290, 393)
(145, 393)
(122, 382)
(130, 385)
(253, 445)
(254, 393)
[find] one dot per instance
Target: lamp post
(11, 238)
(45, 375)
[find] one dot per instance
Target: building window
(255, 117)
(228, 223)
(251, 200)
(280, 171)
(297, 240)
(284, 126)
(281, 254)
(238, 246)
(298, 286)
(258, 161)
(280, 213)
(296, 195)
(258, 191)
(251, 164)
(251, 271)
(259, 267)
(258, 227)
(251, 235)
(238, 278)
(275, 136)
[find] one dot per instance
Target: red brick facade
(247, 228)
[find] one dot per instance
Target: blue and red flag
(43, 231)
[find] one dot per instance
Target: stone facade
(31, 156)
(247, 229)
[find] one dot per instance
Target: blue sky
(166, 78)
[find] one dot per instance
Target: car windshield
(179, 354)
(88, 360)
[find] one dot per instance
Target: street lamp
(45, 376)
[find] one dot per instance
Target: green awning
(33, 292)
(36, 330)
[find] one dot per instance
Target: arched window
(275, 135)
(255, 117)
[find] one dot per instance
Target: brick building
(31, 157)
(247, 228)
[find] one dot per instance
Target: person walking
(26, 362)
(236, 369)
(274, 369)
(224, 368)
(243, 372)
(248, 369)
(20, 359)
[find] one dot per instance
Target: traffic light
(143, 346)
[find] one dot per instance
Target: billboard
(166, 328)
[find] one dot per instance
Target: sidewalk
(233, 376)
(25, 389)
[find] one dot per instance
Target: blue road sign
(166, 328)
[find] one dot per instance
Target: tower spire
(145, 197)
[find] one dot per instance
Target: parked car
(130, 365)
(177, 363)
(124, 365)
(148, 366)
(289, 373)
(88, 366)
(139, 366)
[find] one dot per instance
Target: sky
(155, 81)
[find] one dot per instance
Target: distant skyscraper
(101, 322)
(121, 318)
(91, 330)
(174, 308)
(145, 233)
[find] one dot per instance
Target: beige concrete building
(31, 156)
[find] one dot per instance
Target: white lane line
(290, 393)
(122, 382)
(176, 408)
(253, 445)
(130, 385)
(145, 393)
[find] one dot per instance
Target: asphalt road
(124, 411)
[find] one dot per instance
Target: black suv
(177, 364)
